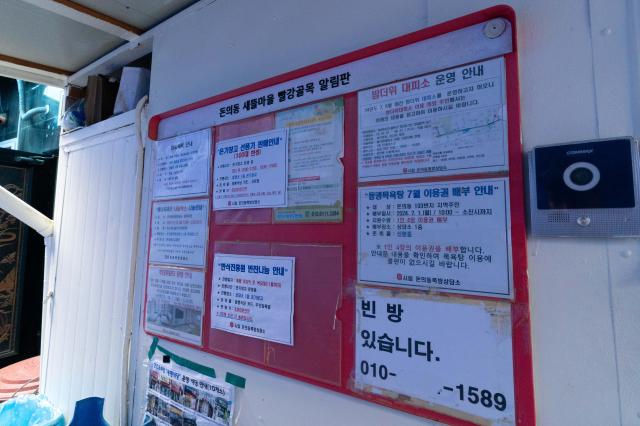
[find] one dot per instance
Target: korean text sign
(251, 171)
(180, 396)
(447, 122)
(453, 353)
(253, 296)
(182, 166)
(179, 232)
(457, 126)
(453, 236)
(175, 303)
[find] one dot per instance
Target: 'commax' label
(580, 151)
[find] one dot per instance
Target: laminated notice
(181, 396)
(454, 356)
(449, 122)
(179, 232)
(251, 171)
(452, 236)
(182, 165)
(253, 296)
(316, 141)
(175, 303)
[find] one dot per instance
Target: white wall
(579, 80)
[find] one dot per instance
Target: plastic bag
(74, 116)
(30, 410)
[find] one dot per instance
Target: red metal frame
(335, 233)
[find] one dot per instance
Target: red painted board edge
(522, 357)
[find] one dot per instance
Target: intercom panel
(587, 189)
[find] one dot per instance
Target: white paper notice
(175, 299)
(316, 134)
(253, 296)
(251, 171)
(182, 166)
(180, 396)
(451, 354)
(448, 122)
(179, 232)
(453, 236)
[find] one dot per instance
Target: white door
(85, 326)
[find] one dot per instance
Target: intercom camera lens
(581, 176)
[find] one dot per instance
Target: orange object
(21, 378)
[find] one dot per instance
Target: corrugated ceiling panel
(94, 243)
(34, 34)
(142, 14)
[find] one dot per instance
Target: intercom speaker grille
(558, 217)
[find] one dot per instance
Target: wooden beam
(88, 16)
(34, 65)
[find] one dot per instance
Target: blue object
(88, 412)
(30, 410)
(148, 420)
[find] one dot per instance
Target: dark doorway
(32, 178)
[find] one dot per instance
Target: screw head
(495, 28)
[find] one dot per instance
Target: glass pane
(29, 116)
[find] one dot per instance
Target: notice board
(357, 224)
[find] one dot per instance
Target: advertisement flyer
(179, 232)
(453, 236)
(182, 166)
(251, 172)
(253, 296)
(180, 396)
(445, 352)
(175, 303)
(316, 145)
(449, 122)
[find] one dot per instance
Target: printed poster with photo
(175, 303)
(180, 396)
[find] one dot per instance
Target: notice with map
(449, 122)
